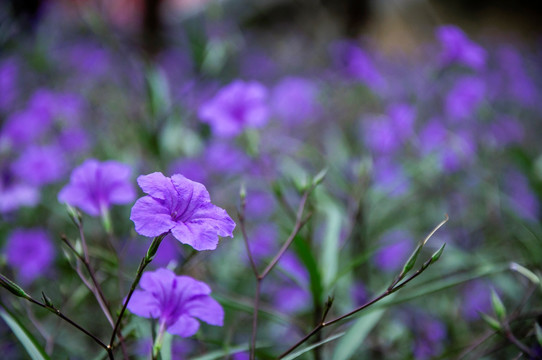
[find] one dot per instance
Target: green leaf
(492, 322)
(319, 177)
(32, 347)
(313, 346)
(525, 272)
(538, 332)
(165, 350)
(306, 256)
(330, 245)
(498, 306)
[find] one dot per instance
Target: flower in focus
(175, 301)
(458, 48)
(30, 252)
(181, 206)
(235, 107)
(95, 185)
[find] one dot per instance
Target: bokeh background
(417, 109)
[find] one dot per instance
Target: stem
(142, 265)
(158, 342)
(255, 320)
(324, 324)
(58, 313)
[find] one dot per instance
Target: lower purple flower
(181, 206)
(175, 301)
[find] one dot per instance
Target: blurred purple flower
(263, 240)
(175, 301)
(522, 199)
(518, 84)
(459, 151)
(192, 168)
(457, 48)
(73, 140)
(30, 252)
(88, 59)
(181, 206)
(295, 100)
(291, 299)
(14, 194)
(65, 109)
(432, 136)
(358, 294)
(224, 158)
(259, 205)
(25, 127)
(379, 135)
(476, 298)
(95, 185)
(429, 337)
(350, 59)
(9, 73)
(294, 268)
(465, 96)
(390, 177)
(235, 107)
(505, 131)
(402, 117)
(392, 257)
(40, 165)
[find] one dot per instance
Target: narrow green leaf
(525, 272)
(32, 347)
(330, 246)
(538, 331)
(498, 306)
(492, 322)
(306, 256)
(437, 254)
(411, 261)
(319, 177)
(313, 346)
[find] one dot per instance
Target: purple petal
(151, 281)
(184, 327)
(155, 184)
(198, 234)
(206, 309)
(78, 196)
(144, 304)
(193, 287)
(217, 217)
(190, 194)
(150, 217)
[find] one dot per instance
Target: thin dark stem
(522, 347)
(142, 265)
(324, 323)
(241, 216)
(58, 313)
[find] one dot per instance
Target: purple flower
(465, 96)
(40, 165)
(295, 100)
(380, 136)
(181, 206)
(30, 252)
(65, 108)
(432, 135)
(25, 127)
(402, 116)
(392, 257)
(355, 63)
(476, 298)
(175, 301)
(13, 195)
(390, 177)
(522, 200)
(518, 84)
(458, 48)
(9, 73)
(95, 185)
(506, 130)
(235, 107)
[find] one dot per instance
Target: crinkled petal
(214, 216)
(197, 234)
(144, 304)
(190, 194)
(185, 326)
(156, 185)
(206, 309)
(150, 217)
(193, 287)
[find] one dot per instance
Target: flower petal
(191, 195)
(143, 304)
(216, 217)
(198, 234)
(206, 309)
(150, 217)
(155, 185)
(184, 327)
